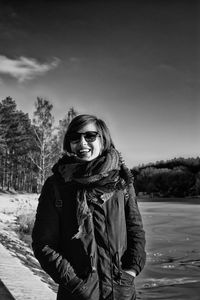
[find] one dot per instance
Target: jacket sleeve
(135, 255)
(45, 238)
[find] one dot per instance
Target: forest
(30, 147)
(178, 177)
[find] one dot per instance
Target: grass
(25, 218)
(25, 222)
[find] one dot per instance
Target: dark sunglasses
(89, 136)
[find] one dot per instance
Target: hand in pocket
(89, 289)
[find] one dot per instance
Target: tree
(63, 124)
(43, 138)
(197, 184)
(29, 150)
(2, 138)
(7, 111)
(178, 177)
(15, 128)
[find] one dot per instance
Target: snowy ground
(13, 204)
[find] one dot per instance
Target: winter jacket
(119, 244)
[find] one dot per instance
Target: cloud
(166, 67)
(25, 68)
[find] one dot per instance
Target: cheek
(100, 147)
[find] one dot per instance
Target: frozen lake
(173, 251)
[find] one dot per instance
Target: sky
(135, 64)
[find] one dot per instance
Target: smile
(83, 151)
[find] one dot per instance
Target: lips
(82, 152)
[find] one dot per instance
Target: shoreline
(186, 200)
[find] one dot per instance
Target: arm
(135, 256)
(46, 236)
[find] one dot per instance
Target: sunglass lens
(90, 136)
(74, 137)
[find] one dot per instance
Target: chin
(87, 158)
(84, 158)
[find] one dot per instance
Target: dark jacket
(119, 244)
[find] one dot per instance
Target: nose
(82, 140)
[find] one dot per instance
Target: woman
(88, 234)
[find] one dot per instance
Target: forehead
(88, 127)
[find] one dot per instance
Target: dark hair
(80, 121)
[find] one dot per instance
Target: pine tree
(16, 141)
(7, 111)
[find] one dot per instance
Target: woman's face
(86, 143)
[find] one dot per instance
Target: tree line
(29, 148)
(178, 177)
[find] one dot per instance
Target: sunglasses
(89, 136)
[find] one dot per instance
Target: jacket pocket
(123, 286)
(87, 289)
(121, 277)
(126, 279)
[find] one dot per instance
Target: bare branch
(37, 136)
(34, 161)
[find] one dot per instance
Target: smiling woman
(94, 245)
(85, 142)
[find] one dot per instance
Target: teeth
(84, 150)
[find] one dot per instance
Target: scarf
(96, 181)
(86, 173)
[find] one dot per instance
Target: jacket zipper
(119, 275)
(110, 255)
(92, 255)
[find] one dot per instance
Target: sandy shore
(11, 205)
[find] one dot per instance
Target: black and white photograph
(100, 150)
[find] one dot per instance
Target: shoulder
(48, 188)
(49, 180)
(52, 181)
(127, 188)
(126, 175)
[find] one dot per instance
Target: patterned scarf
(96, 181)
(87, 173)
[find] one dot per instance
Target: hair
(79, 122)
